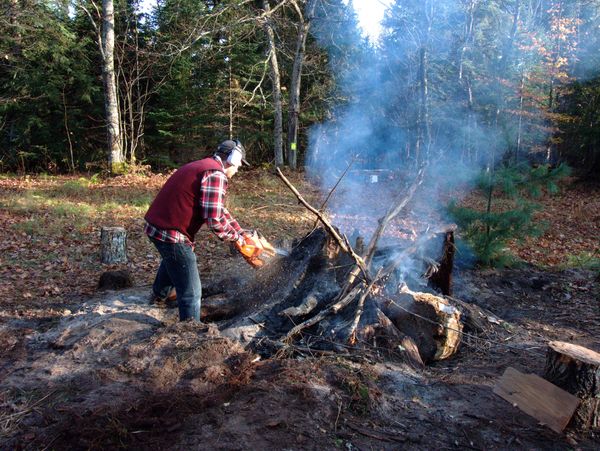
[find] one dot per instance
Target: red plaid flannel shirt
(213, 188)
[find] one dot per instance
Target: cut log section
(113, 245)
(385, 335)
(577, 370)
(433, 324)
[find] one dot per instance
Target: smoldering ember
(414, 260)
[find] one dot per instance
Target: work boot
(169, 302)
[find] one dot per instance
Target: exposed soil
(118, 372)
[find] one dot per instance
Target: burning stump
(302, 302)
(432, 323)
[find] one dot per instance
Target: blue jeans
(178, 269)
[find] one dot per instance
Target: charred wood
(297, 302)
(384, 335)
(440, 275)
(429, 320)
(331, 310)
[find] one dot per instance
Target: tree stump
(577, 370)
(113, 245)
(441, 276)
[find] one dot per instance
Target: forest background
(186, 74)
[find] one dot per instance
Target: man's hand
(250, 250)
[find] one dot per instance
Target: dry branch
(392, 212)
(359, 310)
(341, 239)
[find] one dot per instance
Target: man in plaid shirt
(195, 195)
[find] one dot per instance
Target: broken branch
(341, 240)
(360, 308)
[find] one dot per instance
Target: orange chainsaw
(256, 246)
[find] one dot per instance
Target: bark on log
(577, 370)
(476, 319)
(113, 245)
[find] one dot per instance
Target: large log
(577, 370)
(383, 334)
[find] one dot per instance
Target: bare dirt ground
(105, 370)
(118, 372)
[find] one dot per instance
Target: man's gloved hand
(250, 250)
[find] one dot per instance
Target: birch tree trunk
(423, 143)
(294, 107)
(276, 82)
(115, 151)
(465, 80)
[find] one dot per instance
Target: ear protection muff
(235, 156)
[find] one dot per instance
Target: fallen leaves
(48, 258)
(52, 254)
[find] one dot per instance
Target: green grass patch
(77, 187)
(72, 210)
(29, 226)
(142, 201)
(22, 203)
(47, 215)
(584, 260)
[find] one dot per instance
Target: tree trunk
(577, 370)
(276, 88)
(294, 107)
(467, 36)
(115, 151)
(423, 143)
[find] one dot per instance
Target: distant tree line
(449, 79)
